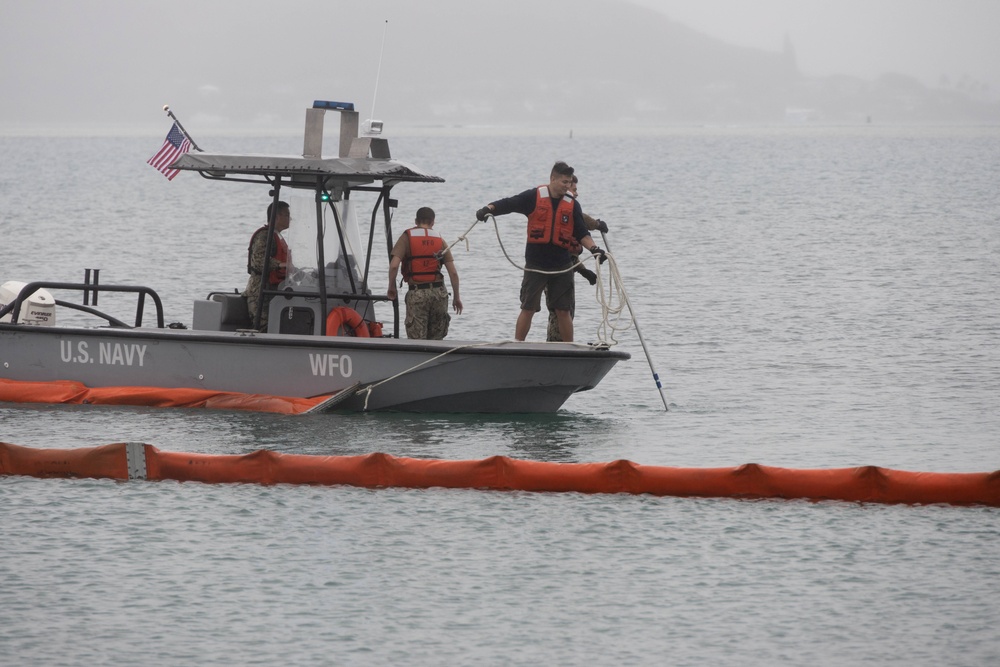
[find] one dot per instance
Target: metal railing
(88, 289)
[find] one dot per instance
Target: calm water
(812, 297)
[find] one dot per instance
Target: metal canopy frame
(331, 180)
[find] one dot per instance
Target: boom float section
(76, 393)
(868, 484)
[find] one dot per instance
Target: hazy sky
(922, 38)
(61, 60)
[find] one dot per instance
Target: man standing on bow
(552, 333)
(555, 227)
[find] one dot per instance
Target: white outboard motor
(39, 309)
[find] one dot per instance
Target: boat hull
(413, 376)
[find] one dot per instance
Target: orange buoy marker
(863, 484)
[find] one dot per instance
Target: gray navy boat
(223, 351)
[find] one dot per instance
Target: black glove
(587, 273)
(482, 213)
(599, 254)
(602, 226)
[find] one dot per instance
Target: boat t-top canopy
(292, 169)
(361, 163)
(360, 160)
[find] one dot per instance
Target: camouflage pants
(427, 314)
(252, 294)
(552, 333)
(252, 308)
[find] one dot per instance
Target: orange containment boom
(67, 391)
(864, 484)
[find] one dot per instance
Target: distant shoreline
(445, 130)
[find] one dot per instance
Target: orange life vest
(280, 254)
(423, 265)
(546, 225)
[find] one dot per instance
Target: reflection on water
(540, 437)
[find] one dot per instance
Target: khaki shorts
(561, 293)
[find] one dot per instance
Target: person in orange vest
(421, 252)
(277, 266)
(555, 227)
(552, 333)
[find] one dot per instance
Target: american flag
(174, 146)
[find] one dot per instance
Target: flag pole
(166, 107)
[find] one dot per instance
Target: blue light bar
(341, 106)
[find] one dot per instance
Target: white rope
(613, 301)
(463, 237)
(369, 388)
(496, 228)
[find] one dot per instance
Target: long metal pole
(166, 107)
(378, 73)
(649, 360)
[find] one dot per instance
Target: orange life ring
(348, 319)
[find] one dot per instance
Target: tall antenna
(375, 126)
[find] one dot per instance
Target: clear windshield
(340, 250)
